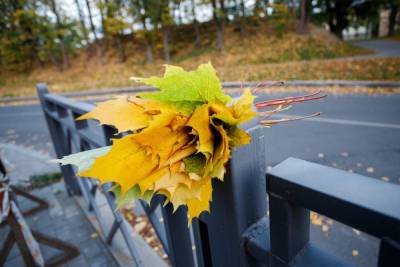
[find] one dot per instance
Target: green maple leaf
(186, 89)
(195, 163)
(131, 195)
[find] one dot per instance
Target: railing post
(57, 135)
(180, 250)
(389, 253)
(237, 203)
(289, 230)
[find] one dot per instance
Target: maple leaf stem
(290, 100)
(280, 108)
(268, 123)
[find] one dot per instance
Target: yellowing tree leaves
(127, 163)
(182, 138)
(121, 113)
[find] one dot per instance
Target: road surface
(383, 48)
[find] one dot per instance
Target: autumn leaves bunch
(174, 141)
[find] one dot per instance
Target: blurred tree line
(38, 32)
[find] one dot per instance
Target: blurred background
(88, 49)
(89, 44)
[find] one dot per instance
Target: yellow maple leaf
(160, 136)
(242, 109)
(127, 163)
(221, 154)
(238, 137)
(121, 113)
(200, 122)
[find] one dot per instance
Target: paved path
(384, 48)
(357, 133)
(66, 221)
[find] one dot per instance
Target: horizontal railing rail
(295, 187)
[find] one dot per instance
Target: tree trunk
(178, 8)
(242, 19)
(121, 48)
(197, 41)
(103, 24)
(149, 49)
(338, 16)
(35, 59)
(219, 23)
(304, 16)
(83, 27)
(165, 39)
(392, 19)
(64, 55)
(55, 62)
(99, 49)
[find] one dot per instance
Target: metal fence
(239, 232)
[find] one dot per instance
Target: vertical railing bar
(122, 227)
(88, 185)
(178, 236)
(107, 133)
(56, 132)
(202, 243)
(92, 201)
(155, 221)
(114, 228)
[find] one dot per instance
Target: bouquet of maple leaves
(174, 141)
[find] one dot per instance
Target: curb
(227, 85)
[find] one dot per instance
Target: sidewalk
(64, 219)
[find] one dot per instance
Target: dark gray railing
(238, 231)
(295, 187)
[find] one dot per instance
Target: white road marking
(345, 122)
(316, 119)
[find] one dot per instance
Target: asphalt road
(383, 48)
(358, 133)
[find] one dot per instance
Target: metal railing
(238, 231)
(295, 187)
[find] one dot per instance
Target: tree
(197, 40)
(219, 17)
(114, 24)
(166, 24)
(143, 13)
(305, 6)
(336, 14)
(393, 6)
(60, 35)
(83, 27)
(99, 49)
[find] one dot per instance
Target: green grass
(42, 180)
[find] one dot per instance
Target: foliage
(34, 33)
(172, 150)
(280, 18)
(29, 37)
